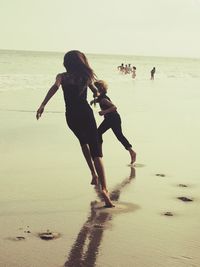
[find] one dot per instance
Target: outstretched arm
(49, 95)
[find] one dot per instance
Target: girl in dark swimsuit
(112, 119)
(79, 115)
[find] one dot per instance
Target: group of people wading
(128, 69)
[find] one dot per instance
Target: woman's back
(75, 93)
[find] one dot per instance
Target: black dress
(79, 115)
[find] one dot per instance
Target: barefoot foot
(133, 155)
(108, 202)
(94, 179)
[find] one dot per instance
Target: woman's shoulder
(64, 77)
(63, 74)
(59, 76)
(59, 79)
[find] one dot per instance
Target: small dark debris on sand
(49, 235)
(182, 185)
(160, 174)
(185, 199)
(18, 238)
(25, 231)
(168, 213)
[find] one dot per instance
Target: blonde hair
(101, 85)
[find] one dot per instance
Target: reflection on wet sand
(85, 248)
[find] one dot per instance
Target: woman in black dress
(79, 115)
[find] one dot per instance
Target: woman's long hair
(77, 64)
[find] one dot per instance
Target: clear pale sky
(142, 27)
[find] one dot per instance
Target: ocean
(33, 70)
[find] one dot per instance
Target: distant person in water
(126, 69)
(121, 68)
(79, 115)
(153, 73)
(133, 72)
(112, 119)
(129, 68)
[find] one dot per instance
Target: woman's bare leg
(87, 155)
(102, 178)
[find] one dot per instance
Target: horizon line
(99, 53)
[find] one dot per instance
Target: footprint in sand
(21, 236)
(185, 199)
(160, 174)
(168, 213)
(182, 185)
(120, 207)
(17, 238)
(136, 165)
(48, 235)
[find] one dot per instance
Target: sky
(142, 27)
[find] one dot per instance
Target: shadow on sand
(85, 248)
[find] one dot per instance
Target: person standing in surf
(133, 72)
(153, 73)
(79, 115)
(112, 119)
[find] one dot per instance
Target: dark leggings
(113, 122)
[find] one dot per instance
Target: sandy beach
(45, 183)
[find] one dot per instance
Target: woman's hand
(39, 112)
(49, 95)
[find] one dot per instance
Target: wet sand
(45, 184)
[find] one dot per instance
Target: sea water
(31, 70)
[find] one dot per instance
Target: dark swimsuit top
(75, 95)
(104, 106)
